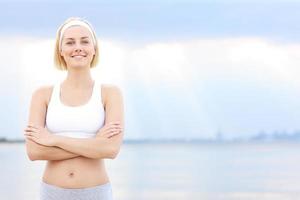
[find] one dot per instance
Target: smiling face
(77, 48)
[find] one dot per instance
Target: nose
(78, 47)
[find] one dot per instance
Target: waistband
(97, 187)
(52, 192)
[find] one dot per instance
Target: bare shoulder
(43, 93)
(110, 88)
(110, 92)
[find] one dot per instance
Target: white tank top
(75, 121)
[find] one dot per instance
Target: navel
(71, 174)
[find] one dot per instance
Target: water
(176, 171)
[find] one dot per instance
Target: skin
(74, 162)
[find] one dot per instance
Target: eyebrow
(73, 38)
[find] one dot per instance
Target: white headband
(76, 23)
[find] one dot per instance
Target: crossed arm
(104, 145)
(37, 151)
(47, 146)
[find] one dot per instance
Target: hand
(109, 130)
(39, 135)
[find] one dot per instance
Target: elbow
(32, 152)
(32, 155)
(113, 153)
(32, 158)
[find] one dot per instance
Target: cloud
(190, 88)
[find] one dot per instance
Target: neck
(78, 79)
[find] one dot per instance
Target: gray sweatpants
(52, 192)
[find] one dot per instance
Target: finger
(30, 138)
(108, 128)
(110, 135)
(110, 132)
(111, 127)
(32, 127)
(113, 134)
(30, 135)
(117, 130)
(29, 129)
(115, 127)
(107, 133)
(27, 133)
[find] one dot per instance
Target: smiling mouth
(78, 56)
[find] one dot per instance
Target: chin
(79, 65)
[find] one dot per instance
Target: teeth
(78, 56)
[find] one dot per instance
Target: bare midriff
(79, 172)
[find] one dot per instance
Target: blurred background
(212, 84)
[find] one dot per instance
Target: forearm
(40, 152)
(98, 147)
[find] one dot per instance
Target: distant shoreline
(261, 137)
(4, 140)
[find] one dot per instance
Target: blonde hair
(58, 59)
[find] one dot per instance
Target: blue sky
(157, 20)
(188, 69)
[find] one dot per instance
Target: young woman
(77, 123)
